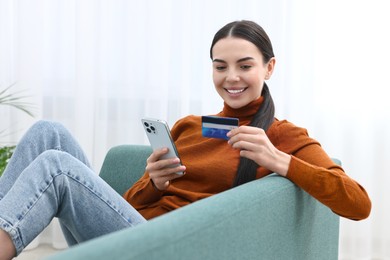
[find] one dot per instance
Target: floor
(37, 253)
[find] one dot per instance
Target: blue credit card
(218, 127)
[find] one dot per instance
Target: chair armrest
(269, 218)
(124, 165)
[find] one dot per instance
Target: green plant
(5, 155)
(15, 100)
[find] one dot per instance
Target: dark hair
(264, 117)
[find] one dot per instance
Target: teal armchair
(270, 218)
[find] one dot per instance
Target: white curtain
(98, 66)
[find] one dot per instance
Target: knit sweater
(211, 166)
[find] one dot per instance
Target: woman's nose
(232, 76)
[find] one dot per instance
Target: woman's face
(239, 71)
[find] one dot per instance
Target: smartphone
(159, 137)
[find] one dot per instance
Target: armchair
(270, 218)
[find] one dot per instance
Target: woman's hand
(161, 172)
(254, 144)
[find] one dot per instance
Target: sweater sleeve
(142, 193)
(312, 170)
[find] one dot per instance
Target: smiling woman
(238, 78)
(49, 174)
(261, 144)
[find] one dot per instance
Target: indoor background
(99, 66)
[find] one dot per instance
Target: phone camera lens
(146, 124)
(153, 129)
(148, 129)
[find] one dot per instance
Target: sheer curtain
(99, 66)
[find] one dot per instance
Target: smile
(235, 91)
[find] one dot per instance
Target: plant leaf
(5, 154)
(15, 100)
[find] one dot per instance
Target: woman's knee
(50, 156)
(48, 162)
(43, 126)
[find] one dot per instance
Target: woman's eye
(220, 67)
(246, 67)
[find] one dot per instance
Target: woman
(48, 175)
(243, 59)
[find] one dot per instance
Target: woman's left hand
(254, 144)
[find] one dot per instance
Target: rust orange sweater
(211, 167)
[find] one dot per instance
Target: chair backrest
(124, 165)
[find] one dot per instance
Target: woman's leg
(7, 249)
(42, 136)
(56, 184)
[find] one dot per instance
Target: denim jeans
(49, 176)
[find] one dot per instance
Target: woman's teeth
(235, 91)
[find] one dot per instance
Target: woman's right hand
(161, 172)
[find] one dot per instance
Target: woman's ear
(270, 68)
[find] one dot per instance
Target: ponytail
(263, 118)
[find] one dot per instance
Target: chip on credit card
(218, 127)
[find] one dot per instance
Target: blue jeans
(49, 176)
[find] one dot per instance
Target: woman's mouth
(235, 91)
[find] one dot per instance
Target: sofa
(269, 218)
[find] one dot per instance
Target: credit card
(218, 127)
